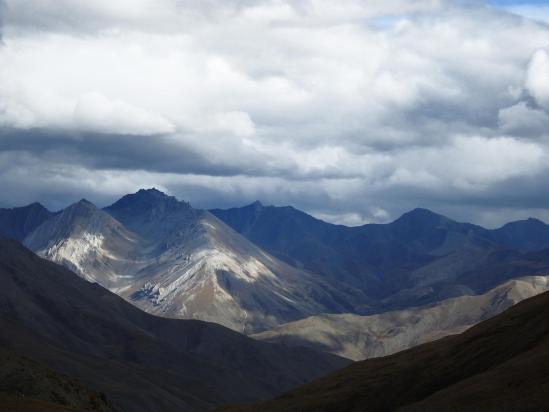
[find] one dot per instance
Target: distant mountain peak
(152, 195)
(37, 205)
(256, 205)
(18, 222)
(146, 199)
(533, 220)
(82, 204)
(422, 211)
(153, 191)
(421, 215)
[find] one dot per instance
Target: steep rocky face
(175, 261)
(91, 243)
(18, 222)
(142, 362)
(361, 337)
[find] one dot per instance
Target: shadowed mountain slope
(499, 364)
(421, 257)
(18, 222)
(142, 363)
(527, 235)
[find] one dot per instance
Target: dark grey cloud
(107, 152)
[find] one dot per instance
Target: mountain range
(421, 255)
(255, 268)
(145, 305)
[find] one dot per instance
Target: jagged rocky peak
(145, 200)
(151, 211)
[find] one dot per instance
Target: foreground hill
(26, 385)
(498, 365)
(176, 261)
(141, 362)
(361, 337)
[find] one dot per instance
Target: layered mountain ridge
(258, 267)
(175, 261)
(420, 258)
(361, 337)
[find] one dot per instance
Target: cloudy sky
(352, 110)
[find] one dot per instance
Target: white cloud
(12, 114)
(523, 120)
(235, 122)
(349, 103)
(95, 112)
(537, 77)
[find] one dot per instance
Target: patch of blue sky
(532, 9)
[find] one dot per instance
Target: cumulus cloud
(352, 110)
(524, 120)
(97, 113)
(537, 77)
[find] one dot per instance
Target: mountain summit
(151, 212)
(146, 199)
